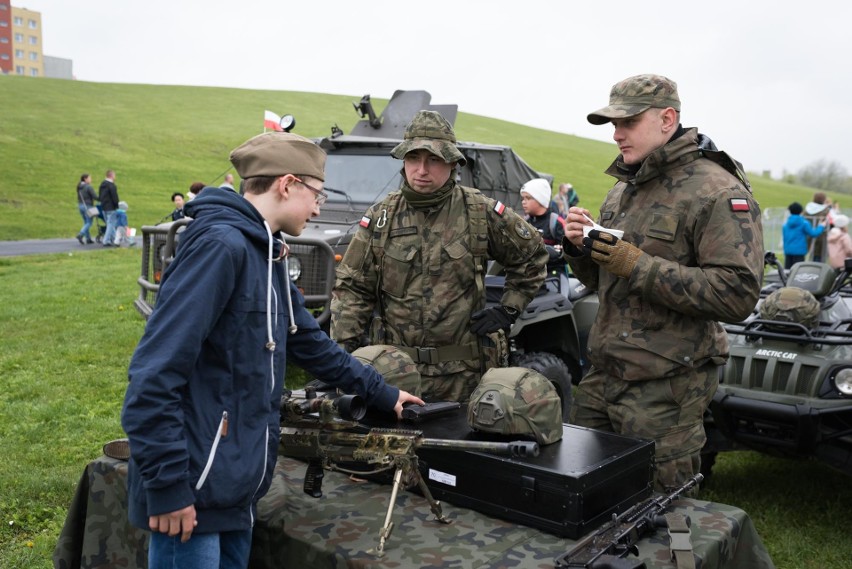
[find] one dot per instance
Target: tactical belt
(441, 354)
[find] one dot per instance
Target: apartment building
(20, 41)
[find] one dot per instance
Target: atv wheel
(554, 369)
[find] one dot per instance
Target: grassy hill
(160, 139)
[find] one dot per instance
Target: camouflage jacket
(423, 281)
(701, 231)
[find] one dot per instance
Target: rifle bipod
(403, 466)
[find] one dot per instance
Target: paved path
(36, 246)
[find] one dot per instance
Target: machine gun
(324, 429)
(609, 545)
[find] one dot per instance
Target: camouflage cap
(791, 304)
(635, 95)
(278, 153)
(516, 401)
(393, 364)
(431, 131)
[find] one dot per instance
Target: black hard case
(571, 488)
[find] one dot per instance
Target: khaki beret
(277, 154)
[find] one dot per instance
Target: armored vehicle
(787, 387)
(549, 337)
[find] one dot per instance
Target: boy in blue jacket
(202, 406)
(795, 233)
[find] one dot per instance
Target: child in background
(122, 232)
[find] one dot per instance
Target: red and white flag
(271, 121)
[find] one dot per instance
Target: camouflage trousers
(669, 411)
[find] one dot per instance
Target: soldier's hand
(178, 522)
(613, 254)
(491, 319)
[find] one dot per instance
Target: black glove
(492, 319)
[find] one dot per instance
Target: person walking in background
(691, 257)
(228, 184)
(85, 202)
(565, 199)
(108, 196)
(122, 230)
(194, 189)
(795, 235)
(839, 242)
(177, 199)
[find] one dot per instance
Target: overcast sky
(768, 81)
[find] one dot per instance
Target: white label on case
(442, 477)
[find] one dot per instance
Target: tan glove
(611, 253)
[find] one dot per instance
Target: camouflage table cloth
(337, 530)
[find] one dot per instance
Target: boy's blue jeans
(225, 550)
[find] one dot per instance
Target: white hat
(841, 221)
(539, 189)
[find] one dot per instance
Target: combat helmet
(393, 364)
(516, 401)
(430, 130)
(791, 304)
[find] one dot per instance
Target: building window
(18, 21)
(33, 56)
(4, 39)
(4, 57)
(4, 24)
(19, 69)
(32, 24)
(3, 7)
(19, 53)
(34, 72)
(33, 40)
(19, 37)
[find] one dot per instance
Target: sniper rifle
(324, 429)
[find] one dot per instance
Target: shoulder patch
(365, 222)
(522, 228)
(499, 207)
(739, 204)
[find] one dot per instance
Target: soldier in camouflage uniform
(691, 255)
(418, 259)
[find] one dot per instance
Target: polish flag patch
(499, 207)
(739, 204)
(365, 222)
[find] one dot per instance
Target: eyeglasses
(321, 196)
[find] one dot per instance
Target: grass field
(68, 328)
(159, 139)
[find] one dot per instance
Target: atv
(787, 388)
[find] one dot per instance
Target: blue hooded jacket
(796, 231)
(202, 405)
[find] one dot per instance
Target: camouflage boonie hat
(516, 401)
(393, 364)
(430, 130)
(635, 95)
(791, 304)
